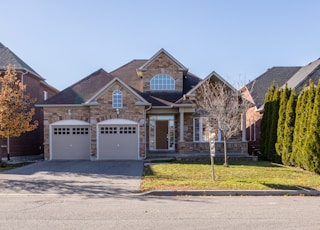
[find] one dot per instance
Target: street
(56, 211)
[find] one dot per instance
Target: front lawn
(260, 175)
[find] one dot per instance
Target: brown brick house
(142, 107)
(30, 143)
(293, 77)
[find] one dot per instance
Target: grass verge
(260, 175)
(5, 167)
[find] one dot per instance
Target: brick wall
(31, 143)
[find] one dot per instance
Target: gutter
(59, 105)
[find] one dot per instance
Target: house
(294, 77)
(30, 143)
(143, 107)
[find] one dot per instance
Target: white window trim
(170, 78)
(118, 92)
(200, 129)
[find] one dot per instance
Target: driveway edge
(232, 193)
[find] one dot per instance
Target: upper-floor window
(117, 99)
(162, 82)
(45, 95)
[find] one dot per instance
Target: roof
(128, 73)
(277, 75)
(8, 57)
(87, 89)
(214, 77)
(83, 90)
(304, 74)
(179, 65)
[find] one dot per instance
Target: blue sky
(66, 40)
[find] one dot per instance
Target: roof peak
(162, 50)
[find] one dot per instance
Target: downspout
(145, 131)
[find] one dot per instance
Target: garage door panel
(70, 143)
(118, 142)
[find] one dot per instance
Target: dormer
(162, 72)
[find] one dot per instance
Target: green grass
(260, 175)
(5, 167)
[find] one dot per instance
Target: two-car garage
(117, 139)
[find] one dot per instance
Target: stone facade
(94, 114)
(144, 108)
(162, 65)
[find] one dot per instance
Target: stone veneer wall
(96, 113)
(162, 65)
(232, 147)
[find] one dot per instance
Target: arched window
(162, 82)
(117, 99)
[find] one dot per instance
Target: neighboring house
(293, 77)
(30, 143)
(143, 107)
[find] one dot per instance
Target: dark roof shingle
(83, 90)
(8, 57)
(277, 75)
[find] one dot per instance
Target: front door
(161, 134)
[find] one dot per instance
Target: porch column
(244, 126)
(181, 125)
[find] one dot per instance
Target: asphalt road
(140, 212)
(103, 195)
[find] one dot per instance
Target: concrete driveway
(88, 178)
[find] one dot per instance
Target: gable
(213, 77)
(165, 67)
(104, 95)
(162, 53)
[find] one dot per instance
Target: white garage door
(118, 141)
(70, 142)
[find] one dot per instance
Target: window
(45, 95)
(201, 129)
(117, 99)
(162, 82)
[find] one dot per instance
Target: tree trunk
(225, 152)
(0, 150)
(212, 166)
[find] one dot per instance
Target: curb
(233, 193)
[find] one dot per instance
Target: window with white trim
(45, 95)
(162, 82)
(201, 129)
(117, 99)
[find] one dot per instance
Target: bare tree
(220, 101)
